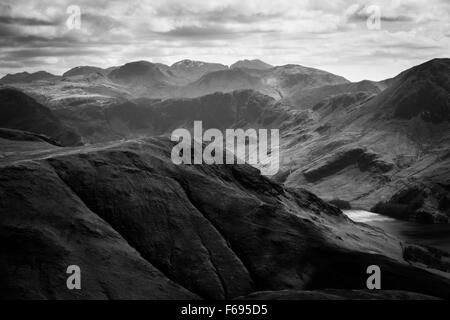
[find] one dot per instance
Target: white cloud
(328, 34)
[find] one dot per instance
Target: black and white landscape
(86, 176)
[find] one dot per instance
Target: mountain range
(141, 227)
(183, 79)
(384, 135)
(89, 152)
(387, 129)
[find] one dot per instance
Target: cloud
(101, 23)
(25, 21)
(32, 54)
(226, 13)
(365, 12)
(199, 32)
(328, 34)
(205, 33)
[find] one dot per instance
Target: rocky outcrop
(360, 157)
(141, 227)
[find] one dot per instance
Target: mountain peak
(434, 66)
(186, 63)
(422, 91)
(139, 62)
(251, 64)
(23, 73)
(136, 71)
(191, 70)
(82, 71)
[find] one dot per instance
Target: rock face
(141, 227)
(19, 111)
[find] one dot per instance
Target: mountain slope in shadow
(19, 111)
(141, 227)
(143, 117)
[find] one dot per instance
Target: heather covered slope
(132, 220)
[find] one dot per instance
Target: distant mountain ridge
(190, 78)
(189, 70)
(27, 77)
(251, 64)
(83, 71)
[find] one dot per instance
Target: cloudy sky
(328, 34)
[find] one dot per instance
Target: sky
(356, 39)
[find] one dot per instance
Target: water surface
(435, 235)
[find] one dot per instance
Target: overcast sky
(326, 34)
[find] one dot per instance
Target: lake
(435, 235)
